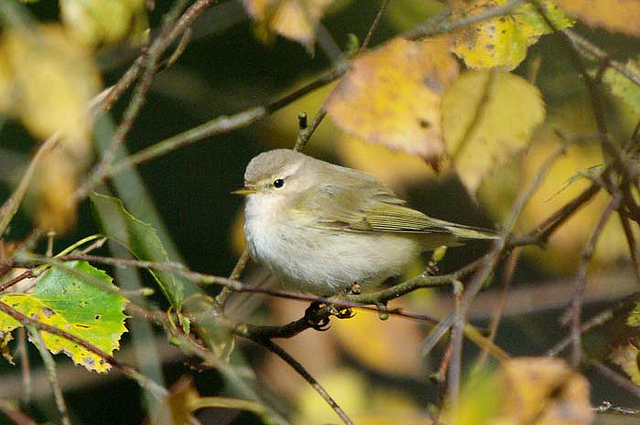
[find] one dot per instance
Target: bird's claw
(314, 319)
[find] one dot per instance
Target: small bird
(321, 228)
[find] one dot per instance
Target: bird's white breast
(321, 261)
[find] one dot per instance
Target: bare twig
(581, 281)
(126, 369)
(22, 276)
(291, 361)
(374, 24)
(50, 367)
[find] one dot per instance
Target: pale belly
(327, 262)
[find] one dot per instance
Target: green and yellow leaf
(81, 301)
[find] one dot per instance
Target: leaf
(293, 19)
(626, 356)
(501, 42)
(613, 15)
(545, 391)
(375, 344)
(395, 169)
(96, 22)
(622, 86)
(68, 302)
(526, 390)
(393, 95)
(487, 118)
(47, 81)
(141, 239)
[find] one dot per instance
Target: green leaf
(141, 239)
(80, 300)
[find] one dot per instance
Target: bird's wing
(365, 208)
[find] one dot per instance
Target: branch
(274, 348)
(142, 380)
(581, 281)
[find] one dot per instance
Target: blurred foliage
(463, 138)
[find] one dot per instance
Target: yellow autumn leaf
(614, 15)
(96, 22)
(487, 117)
(525, 390)
(395, 169)
(393, 95)
(293, 19)
(50, 80)
(546, 391)
(563, 183)
(501, 42)
(47, 81)
(375, 343)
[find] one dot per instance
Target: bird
(321, 228)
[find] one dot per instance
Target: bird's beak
(247, 190)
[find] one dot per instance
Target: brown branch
(291, 361)
(581, 281)
(142, 380)
(8, 284)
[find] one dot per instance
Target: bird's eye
(278, 183)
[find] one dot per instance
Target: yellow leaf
(613, 15)
(626, 356)
(49, 81)
(526, 390)
(392, 96)
(502, 41)
(55, 183)
(395, 169)
(95, 22)
(376, 343)
(545, 391)
(293, 19)
(487, 118)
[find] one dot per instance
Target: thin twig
(8, 284)
(375, 23)
(50, 367)
(291, 361)
(632, 244)
(581, 281)
(143, 381)
(619, 380)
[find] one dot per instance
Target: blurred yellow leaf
(563, 252)
(395, 169)
(47, 81)
(96, 22)
(626, 356)
(501, 42)
(176, 406)
(546, 391)
(293, 19)
(393, 95)
(391, 346)
(526, 390)
(55, 183)
(487, 118)
(613, 15)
